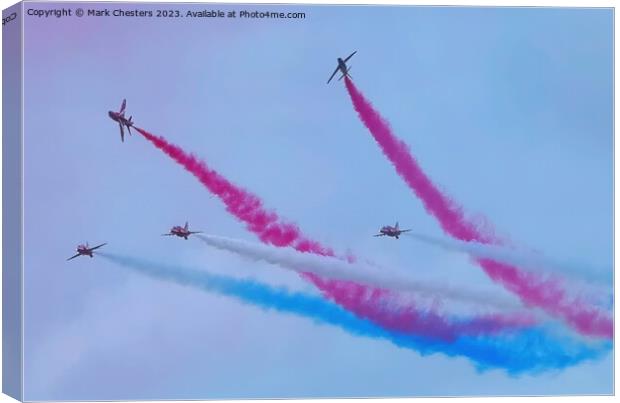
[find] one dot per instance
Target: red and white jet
(391, 231)
(120, 118)
(181, 232)
(342, 66)
(85, 250)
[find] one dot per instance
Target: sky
(508, 110)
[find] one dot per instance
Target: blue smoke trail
(526, 351)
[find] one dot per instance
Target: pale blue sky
(508, 110)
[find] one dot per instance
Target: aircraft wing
(350, 56)
(98, 246)
(74, 256)
(123, 106)
(195, 232)
(333, 74)
(405, 230)
(122, 132)
(379, 235)
(167, 234)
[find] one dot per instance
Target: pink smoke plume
(368, 303)
(547, 294)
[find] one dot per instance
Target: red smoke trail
(532, 289)
(365, 302)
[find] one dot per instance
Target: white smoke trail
(526, 260)
(333, 268)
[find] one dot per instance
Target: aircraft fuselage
(342, 66)
(117, 117)
(390, 232)
(180, 232)
(84, 251)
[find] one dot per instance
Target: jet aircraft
(120, 118)
(181, 232)
(342, 66)
(394, 231)
(85, 250)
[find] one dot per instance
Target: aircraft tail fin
(186, 225)
(346, 74)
